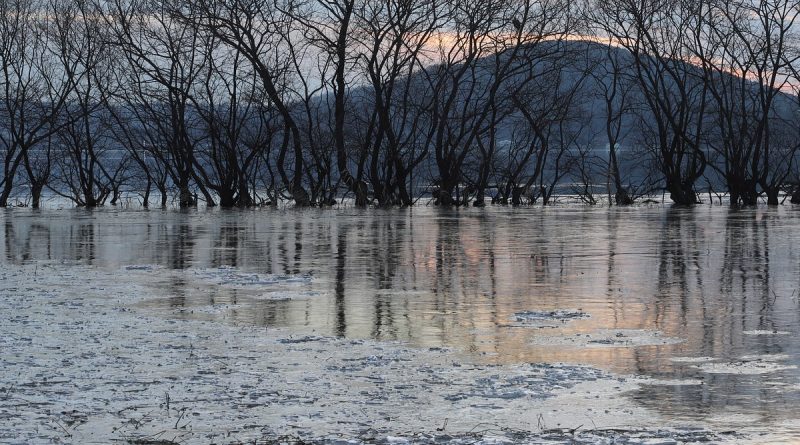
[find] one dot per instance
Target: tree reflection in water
(455, 278)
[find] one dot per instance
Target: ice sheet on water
(668, 382)
(107, 370)
(765, 357)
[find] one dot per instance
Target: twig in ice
(8, 391)
(62, 427)
(183, 411)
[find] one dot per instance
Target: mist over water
(714, 286)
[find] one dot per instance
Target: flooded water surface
(704, 301)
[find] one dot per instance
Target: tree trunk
(480, 200)
(226, 200)
(114, 195)
(185, 197)
(516, 196)
(146, 197)
(162, 188)
(6, 193)
(361, 191)
(206, 195)
(36, 194)
(244, 199)
(301, 198)
(772, 196)
(622, 198)
(796, 195)
(404, 196)
(681, 193)
(444, 196)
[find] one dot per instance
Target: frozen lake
(704, 301)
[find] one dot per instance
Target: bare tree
(165, 57)
(34, 91)
(258, 31)
(313, 113)
(744, 49)
(615, 86)
(531, 41)
(91, 169)
(676, 98)
(547, 133)
(487, 57)
(393, 38)
(226, 104)
(328, 25)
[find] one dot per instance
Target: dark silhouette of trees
(260, 31)
(676, 98)
(34, 92)
(91, 168)
(751, 40)
(393, 36)
(615, 87)
(240, 103)
(165, 57)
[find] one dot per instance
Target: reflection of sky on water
(437, 277)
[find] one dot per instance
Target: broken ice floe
(489, 434)
(224, 276)
(667, 382)
(692, 359)
(196, 281)
(143, 267)
(748, 365)
(543, 317)
(279, 295)
(533, 381)
(232, 277)
(303, 339)
(608, 338)
(765, 332)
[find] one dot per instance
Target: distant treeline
(252, 102)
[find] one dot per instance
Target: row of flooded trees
(251, 102)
